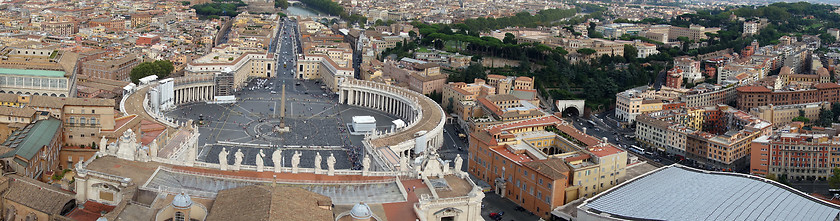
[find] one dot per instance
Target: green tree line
(209, 10)
(161, 68)
(333, 8)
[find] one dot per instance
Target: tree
(771, 176)
(185, 3)
(834, 179)
(509, 39)
(586, 51)
(801, 117)
(161, 68)
(281, 4)
(826, 116)
(630, 53)
(835, 109)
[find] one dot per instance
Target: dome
(182, 201)
(361, 211)
(101, 218)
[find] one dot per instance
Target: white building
(243, 62)
(750, 28)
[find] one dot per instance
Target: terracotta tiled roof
(553, 168)
(270, 203)
(826, 85)
(90, 212)
(37, 195)
(752, 89)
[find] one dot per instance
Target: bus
(637, 149)
(591, 122)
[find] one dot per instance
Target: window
(179, 216)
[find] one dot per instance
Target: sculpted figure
(223, 161)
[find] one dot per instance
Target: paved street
(494, 203)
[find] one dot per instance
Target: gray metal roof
(677, 193)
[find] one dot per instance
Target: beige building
(242, 62)
(636, 101)
(505, 84)
(330, 62)
(112, 68)
(420, 76)
(780, 115)
(717, 137)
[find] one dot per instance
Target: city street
(605, 125)
(494, 203)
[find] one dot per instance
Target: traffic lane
(618, 138)
(493, 203)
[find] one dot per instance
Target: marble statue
(317, 162)
(295, 161)
(331, 165)
(260, 161)
(458, 163)
(365, 164)
(223, 161)
(103, 143)
(237, 161)
(277, 158)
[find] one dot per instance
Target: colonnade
(194, 94)
(405, 104)
(379, 101)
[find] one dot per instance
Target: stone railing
(159, 118)
(173, 191)
(285, 181)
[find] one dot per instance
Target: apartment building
(641, 100)
(755, 95)
(59, 28)
(674, 78)
(795, 154)
(690, 68)
(709, 94)
(543, 163)
(750, 28)
(147, 40)
(117, 67)
(504, 84)
(780, 115)
(716, 137)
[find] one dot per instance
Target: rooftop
(37, 73)
(681, 193)
(29, 140)
(270, 203)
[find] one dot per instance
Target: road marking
(319, 113)
(220, 127)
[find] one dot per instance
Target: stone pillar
(81, 188)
